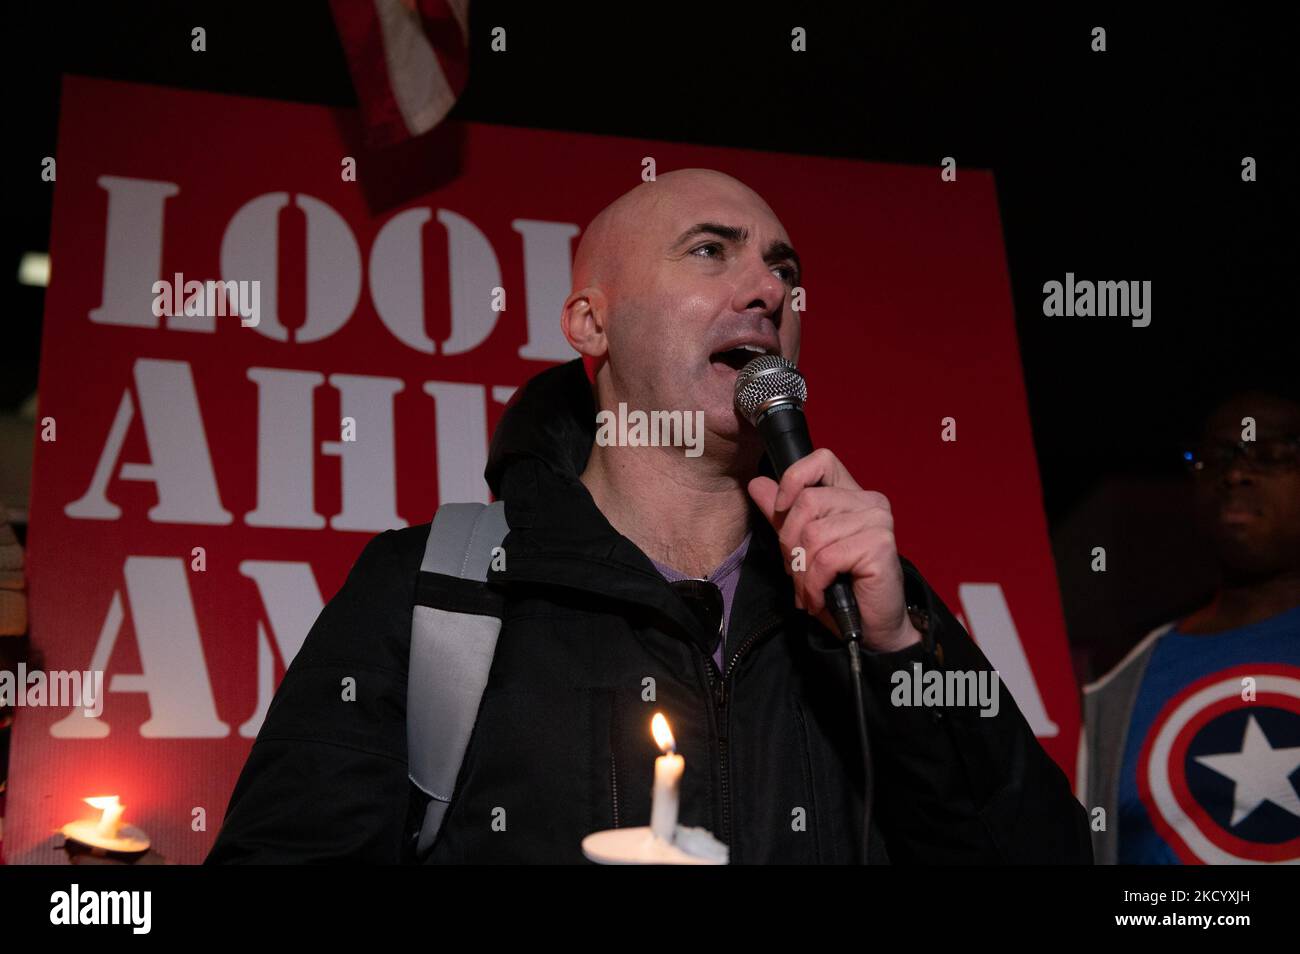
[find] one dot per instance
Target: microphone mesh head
(767, 380)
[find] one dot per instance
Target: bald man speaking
(646, 576)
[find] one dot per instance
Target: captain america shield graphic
(1219, 774)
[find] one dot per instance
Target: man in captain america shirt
(1194, 738)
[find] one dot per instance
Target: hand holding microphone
(849, 558)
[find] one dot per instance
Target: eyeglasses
(1268, 455)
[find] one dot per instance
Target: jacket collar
(559, 537)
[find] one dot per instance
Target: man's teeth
(738, 356)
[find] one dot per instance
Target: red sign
(194, 503)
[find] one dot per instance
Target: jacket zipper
(719, 700)
(613, 779)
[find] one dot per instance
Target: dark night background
(1124, 164)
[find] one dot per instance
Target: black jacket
(562, 743)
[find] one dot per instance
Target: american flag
(409, 60)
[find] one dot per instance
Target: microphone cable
(855, 667)
(849, 623)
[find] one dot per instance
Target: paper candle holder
(105, 835)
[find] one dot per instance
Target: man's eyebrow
(775, 252)
(780, 251)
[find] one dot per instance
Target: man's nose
(1237, 472)
(760, 289)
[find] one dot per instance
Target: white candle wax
(663, 807)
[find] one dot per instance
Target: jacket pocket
(814, 820)
(607, 772)
(535, 781)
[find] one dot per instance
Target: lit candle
(111, 818)
(105, 836)
(668, 775)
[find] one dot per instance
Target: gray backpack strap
(451, 650)
(1107, 715)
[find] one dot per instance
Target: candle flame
(663, 735)
(110, 818)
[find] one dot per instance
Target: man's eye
(1278, 451)
(713, 245)
(790, 277)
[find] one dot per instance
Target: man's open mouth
(736, 358)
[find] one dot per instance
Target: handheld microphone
(770, 394)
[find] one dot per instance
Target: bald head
(625, 227)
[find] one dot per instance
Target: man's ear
(583, 321)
